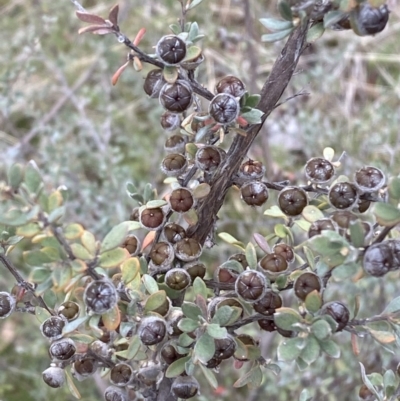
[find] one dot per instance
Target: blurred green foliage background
(58, 107)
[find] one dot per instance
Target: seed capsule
(153, 83)
(54, 376)
(63, 349)
(152, 330)
(174, 233)
(251, 285)
(162, 254)
(115, 394)
(121, 374)
(177, 279)
(254, 193)
(52, 327)
(170, 121)
(171, 49)
(285, 250)
(100, 296)
(188, 249)
(69, 309)
(368, 20)
(175, 144)
(195, 269)
(174, 164)
(273, 263)
(224, 108)
(152, 218)
(185, 387)
(292, 200)
(224, 348)
(232, 85)
(306, 283)
(369, 179)
(208, 158)
(319, 170)
(251, 170)
(131, 244)
(318, 226)
(379, 260)
(268, 303)
(338, 312)
(7, 304)
(181, 200)
(343, 195)
(176, 97)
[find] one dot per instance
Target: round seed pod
(225, 275)
(191, 65)
(338, 312)
(254, 193)
(343, 195)
(213, 363)
(175, 315)
(7, 304)
(54, 376)
(363, 205)
(171, 49)
(115, 394)
(100, 348)
(378, 260)
(251, 170)
(305, 284)
(175, 144)
(100, 296)
(131, 244)
(52, 327)
(174, 164)
(241, 258)
(268, 303)
(162, 254)
(121, 374)
(176, 97)
(149, 372)
(224, 108)
(366, 394)
(292, 200)
(152, 218)
(69, 309)
(368, 20)
(153, 83)
(85, 367)
(369, 179)
(246, 340)
(195, 269)
(177, 279)
(152, 330)
(185, 387)
(250, 286)
(318, 226)
(181, 200)
(164, 308)
(319, 170)
(267, 325)
(273, 263)
(169, 353)
(232, 85)
(208, 158)
(174, 233)
(63, 349)
(170, 121)
(285, 250)
(188, 249)
(224, 348)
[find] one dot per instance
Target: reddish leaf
(242, 121)
(137, 64)
(139, 36)
(91, 18)
(113, 15)
(96, 29)
(118, 73)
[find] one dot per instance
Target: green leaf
(285, 318)
(330, 348)
(71, 386)
(386, 214)
(150, 284)
(155, 300)
(130, 268)
(276, 25)
(393, 306)
(72, 326)
(15, 175)
(368, 383)
(251, 256)
(254, 116)
(204, 348)
(134, 347)
(178, 367)
(73, 231)
(209, 375)
(321, 329)
(175, 28)
(36, 258)
(313, 301)
(305, 395)
(310, 352)
(228, 238)
(394, 189)
(253, 378)
(191, 310)
(115, 237)
(357, 233)
(290, 348)
(56, 214)
(39, 275)
(41, 314)
(223, 315)
(274, 37)
(188, 325)
(285, 10)
(185, 340)
(32, 178)
(390, 383)
(253, 100)
(332, 17)
(89, 242)
(383, 337)
(345, 271)
(312, 213)
(113, 258)
(80, 252)
(216, 331)
(199, 287)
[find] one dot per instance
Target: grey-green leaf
(204, 348)
(276, 25)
